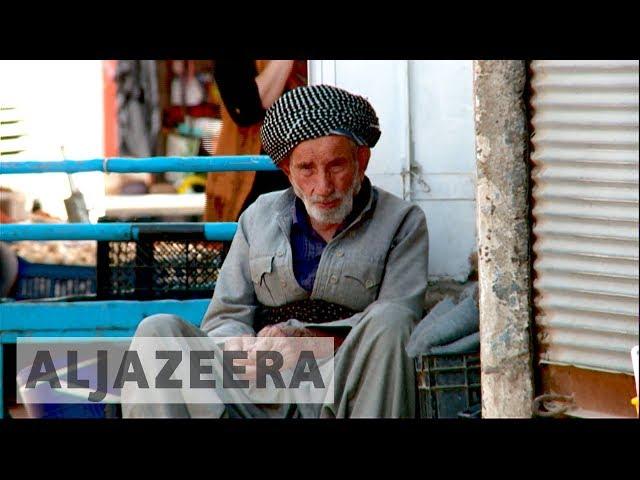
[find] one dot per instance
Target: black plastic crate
(172, 261)
(42, 280)
(449, 385)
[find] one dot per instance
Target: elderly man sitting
(332, 255)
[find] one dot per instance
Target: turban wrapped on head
(316, 111)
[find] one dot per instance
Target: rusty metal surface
(595, 394)
(585, 209)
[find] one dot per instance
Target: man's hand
(276, 338)
(289, 350)
(282, 330)
(239, 343)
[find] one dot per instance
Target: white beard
(337, 214)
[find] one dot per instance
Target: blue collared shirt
(307, 245)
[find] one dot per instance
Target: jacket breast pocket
(361, 282)
(264, 280)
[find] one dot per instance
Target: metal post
(504, 237)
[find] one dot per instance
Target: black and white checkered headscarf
(316, 111)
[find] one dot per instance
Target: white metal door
(385, 84)
(426, 153)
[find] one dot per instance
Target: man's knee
(159, 325)
(389, 321)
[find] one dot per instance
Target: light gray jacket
(382, 256)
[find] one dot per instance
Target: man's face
(326, 173)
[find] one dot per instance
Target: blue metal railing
(107, 231)
(239, 163)
(116, 317)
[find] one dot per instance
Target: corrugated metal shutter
(585, 192)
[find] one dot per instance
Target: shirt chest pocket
(361, 283)
(265, 281)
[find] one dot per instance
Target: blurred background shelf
(154, 204)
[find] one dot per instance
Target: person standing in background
(247, 88)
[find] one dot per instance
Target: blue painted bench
(114, 317)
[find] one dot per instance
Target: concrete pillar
(502, 159)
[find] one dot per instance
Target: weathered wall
(503, 238)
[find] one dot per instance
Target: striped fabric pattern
(315, 111)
